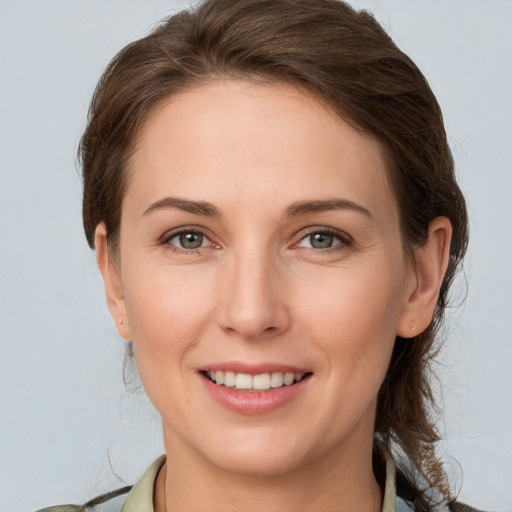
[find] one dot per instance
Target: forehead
(254, 142)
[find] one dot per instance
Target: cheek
(362, 298)
(352, 319)
(167, 310)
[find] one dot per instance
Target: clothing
(140, 496)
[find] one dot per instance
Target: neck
(341, 482)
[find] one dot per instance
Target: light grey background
(67, 426)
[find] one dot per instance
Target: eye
(188, 240)
(321, 240)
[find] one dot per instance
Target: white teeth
(229, 379)
(260, 382)
(289, 378)
(276, 380)
(243, 381)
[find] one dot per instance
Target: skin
(257, 291)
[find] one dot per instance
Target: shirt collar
(140, 498)
(389, 501)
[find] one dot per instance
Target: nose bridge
(254, 304)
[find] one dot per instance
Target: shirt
(140, 497)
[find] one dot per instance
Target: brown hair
(344, 58)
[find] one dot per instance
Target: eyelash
(344, 241)
(166, 239)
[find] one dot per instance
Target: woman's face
(259, 244)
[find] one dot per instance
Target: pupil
(191, 240)
(321, 240)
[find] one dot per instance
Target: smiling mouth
(247, 382)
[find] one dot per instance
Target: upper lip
(254, 368)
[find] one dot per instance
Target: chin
(259, 454)
(257, 463)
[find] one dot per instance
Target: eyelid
(345, 239)
(172, 233)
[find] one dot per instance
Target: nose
(254, 292)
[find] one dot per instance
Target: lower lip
(254, 402)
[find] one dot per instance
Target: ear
(431, 262)
(112, 282)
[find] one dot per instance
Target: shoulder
(456, 506)
(109, 502)
(62, 508)
(408, 492)
(138, 497)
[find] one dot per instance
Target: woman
(271, 197)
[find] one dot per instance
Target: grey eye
(321, 240)
(190, 240)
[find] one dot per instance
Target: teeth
(276, 380)
(289, 378)
(244, 381)
(261, 381)
(229, 379)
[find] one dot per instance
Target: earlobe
(431, 262)
(112, 282)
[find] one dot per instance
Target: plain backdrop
(69, 429)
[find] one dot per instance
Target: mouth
(254, 383)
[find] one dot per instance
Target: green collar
(140, 498)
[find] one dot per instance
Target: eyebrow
(195, 207)
(294, 210)
(305, 207)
